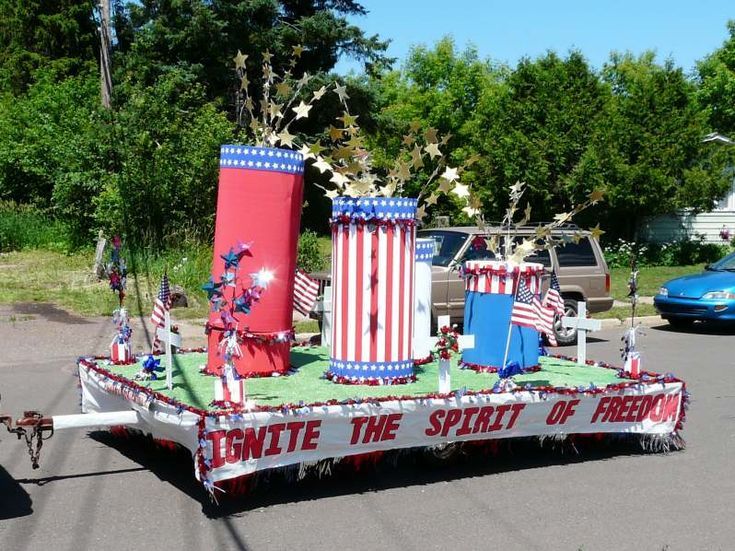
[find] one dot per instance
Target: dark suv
(580, 267)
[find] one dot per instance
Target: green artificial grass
(307, 384)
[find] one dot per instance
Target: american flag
(553, 298)
(525, 307)
(161, 305)
(545, 323)
(305, 292)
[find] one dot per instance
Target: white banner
(242, 444)
(266, 440)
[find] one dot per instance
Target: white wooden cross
(463, 342)
(582, 325)
(325, 307)
(168, 339)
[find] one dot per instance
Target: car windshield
(726, 264)
(446, 245)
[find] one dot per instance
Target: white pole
(510, 322)
(91, 420)
(169, 369)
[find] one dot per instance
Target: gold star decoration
(355, 141)
(319, 93)
(239, 60)
(431, 199)
(339, 179)
(421, 212)
(596, 196)
(315, 148)
(244, 82)
(433, 150)
(286, 138)
(416, 158)
(267, 56)
(491, 243)
(450, 174)
(306, 152)
(461, 190)
(596, 232)
(430, 135)
(283, 88)
(444, 186)
(275, 110)
(470, 211)
(404, 170)
(335, 134)
(304, 80)
(302, 110)
(562, 217)
(341, 91)
(408, 140)
(414, 126)
(322, 165)
(472, 159)
(516, 188)
(297, 50)
(347, 119)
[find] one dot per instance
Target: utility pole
(105, 44)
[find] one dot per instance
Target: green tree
(202, 36)
(647, 147)
(716, 93)
(39, 33)
(538, 130)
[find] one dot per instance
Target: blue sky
(506, 31)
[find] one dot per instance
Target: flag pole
(510, 320)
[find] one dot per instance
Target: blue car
(709, 296)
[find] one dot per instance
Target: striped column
(422, 338)
(373, 248)
(489, 291)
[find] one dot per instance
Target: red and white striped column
(373, 247)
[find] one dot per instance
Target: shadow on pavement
(14, 500)
(49, 312)
(394, 470)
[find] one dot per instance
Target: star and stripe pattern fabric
(496, 278)
(525, 312)
(161, 305)
(553, 298)
(373, 267)
(422, 340)
(305, 292)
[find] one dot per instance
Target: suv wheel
(566, 336)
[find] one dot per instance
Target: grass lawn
(307, 384)
(649, 279)
(67, 281)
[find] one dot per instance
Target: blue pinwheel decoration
(231, 259)
(212, 288)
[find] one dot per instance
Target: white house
(689, 225)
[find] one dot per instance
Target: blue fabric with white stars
(371, 208)
(261, 158)
(371, 370)
(424, 250)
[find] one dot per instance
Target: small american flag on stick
(525, 312)
(305, 292)
(553, 298)
(161, 305)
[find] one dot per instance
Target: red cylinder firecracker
(259, 202)
(373, 247)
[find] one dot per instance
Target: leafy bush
(677, 253)
(25, 227)
(310, 257)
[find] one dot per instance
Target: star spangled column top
(374, 208)
(500, 267)
(424, 250)
(261, 158)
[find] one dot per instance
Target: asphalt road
(94, 491)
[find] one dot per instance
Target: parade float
(253, 400)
